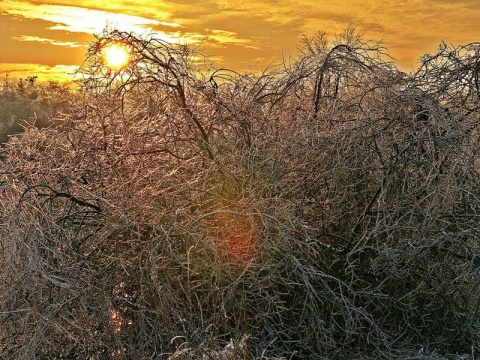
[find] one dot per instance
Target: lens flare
(235, 239)
(238, 249)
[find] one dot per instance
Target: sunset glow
(238, 35)
(116, 56)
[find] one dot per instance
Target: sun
(116, 56)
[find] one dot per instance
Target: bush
(27, 102)
(327, 209)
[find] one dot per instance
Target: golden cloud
(45, 73)
(226, 37)
(49, 41)
(79, 19)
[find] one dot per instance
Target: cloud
(80, 19)
(44, 72)
(49, 41)
(226, 37)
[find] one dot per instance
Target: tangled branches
(324, 210)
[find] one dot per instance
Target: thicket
(328, 208)
(27, 102)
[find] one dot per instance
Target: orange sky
(49, 38)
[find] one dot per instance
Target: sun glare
(116, 56)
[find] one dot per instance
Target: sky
(49, 38)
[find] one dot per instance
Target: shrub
(324, 210)
(27, 102)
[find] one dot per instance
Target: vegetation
(28, 103)
(328, 209)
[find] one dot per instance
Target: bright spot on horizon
(116, 56)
